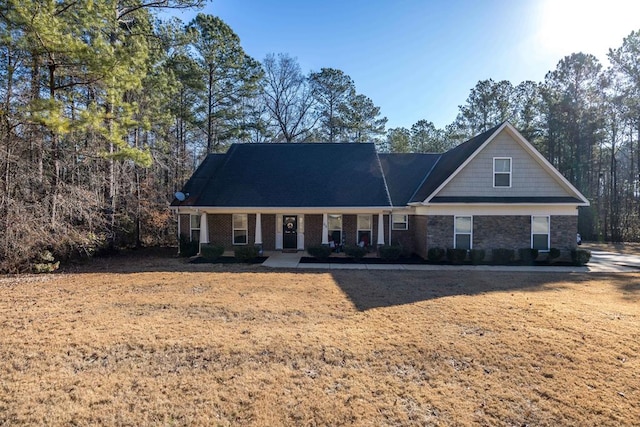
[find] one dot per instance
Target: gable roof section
(198, 181)
(405, 172)
(449, 163)
(454, 160)
(290, 175)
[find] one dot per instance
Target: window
(462, 232)
(540, 233)
(502, 171)
(240, 229)
(335, 228)
(399, 222)
(194, 224)
(364, 230)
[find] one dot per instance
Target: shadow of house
(369, 289)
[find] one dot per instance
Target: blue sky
(419, 59)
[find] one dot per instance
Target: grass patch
(157, 341)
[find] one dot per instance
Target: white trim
(347, 210)
(380, 239)
(406, 221)
(370, 229)
(455, 233)
(497, 209)
(325, 229)
(258, 238)
(233, 229)
(331, 230)
(548, 231)
(528, 147)
(204, 229)
(510, 172)
(191, 227)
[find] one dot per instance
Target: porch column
(380, 229)
(204, 229)
(325, 229)
(258, 240)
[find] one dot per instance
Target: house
(493, 191)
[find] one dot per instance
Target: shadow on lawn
(376, 289)
(368, 289)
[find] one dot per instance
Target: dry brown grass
(158, 342)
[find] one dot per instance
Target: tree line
(106, 110)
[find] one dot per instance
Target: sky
(419, 59)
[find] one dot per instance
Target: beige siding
(528, 177)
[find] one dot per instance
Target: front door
(289, 232)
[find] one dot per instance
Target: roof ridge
(426, 176)
(384, 178)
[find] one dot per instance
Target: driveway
(612, 262)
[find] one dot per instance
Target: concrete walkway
(601, 262)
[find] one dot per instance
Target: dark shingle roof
(332, 175)
(405, 172)
(290, 175)
(449, 162)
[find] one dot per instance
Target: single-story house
(492, 191)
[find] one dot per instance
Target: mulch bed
(417, 260)
(227, 260)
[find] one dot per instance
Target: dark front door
(290, 232)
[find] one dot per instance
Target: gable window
(463, 226)
(400, 222)
(502, 171)
(364, 230)
(194, 225)
(540, 233)
(335, 228)
(240, 229)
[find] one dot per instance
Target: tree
(288, 98)
(488, 104)
(572, 99)
(361, 119)
(425, 138)
(230, 77)
(332, 90)
(399, 140)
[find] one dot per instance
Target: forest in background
(106, 110)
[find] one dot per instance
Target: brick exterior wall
(268, 232)
(220, 230)
(563, 232)
(419, 226)
(424, 231)
(185, 225)
(512, 232)
(312, 230)
(406, 238)
(439, 231)
(350, 229)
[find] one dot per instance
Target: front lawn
(160, 342)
